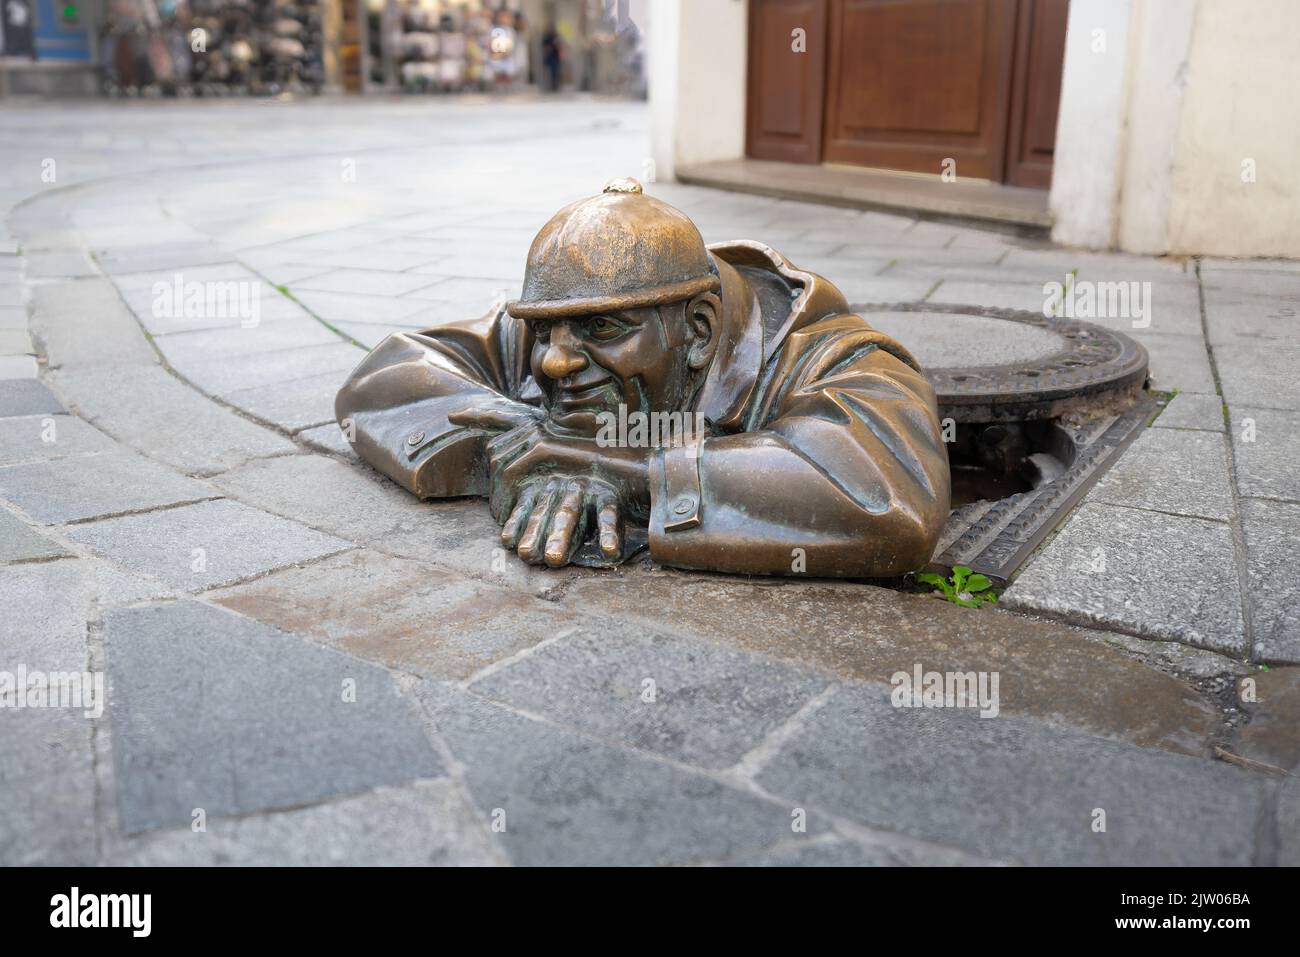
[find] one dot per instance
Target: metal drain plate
(1077, 385)
(1003, 365)
(996, 537)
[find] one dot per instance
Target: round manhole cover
(991, 365)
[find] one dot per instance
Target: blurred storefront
(297, 47)
(457, 45)
(49, 46)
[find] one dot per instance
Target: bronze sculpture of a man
(801, 439)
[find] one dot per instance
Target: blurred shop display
(446, 46)
(47, 46)
(292, 47)
(213, 47)
(438, 48)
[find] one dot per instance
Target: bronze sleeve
(396, 402)
(845, 473)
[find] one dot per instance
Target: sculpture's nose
(563, 358)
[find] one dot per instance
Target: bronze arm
(479, 363)
(843, 474)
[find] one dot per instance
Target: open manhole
(1035, 411)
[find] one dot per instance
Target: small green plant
(963, 588)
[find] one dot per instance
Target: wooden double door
(908, 84)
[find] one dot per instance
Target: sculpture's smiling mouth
(585, 395)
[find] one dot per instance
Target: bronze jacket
(824, 457)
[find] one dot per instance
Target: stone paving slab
(427, 824)
(152, 411)
(871, 289)
(19, 367)
(44, 607)
(13, 318)
(58, 263)
(569, 800)
(227, 270)
(183, 349)
(373, 257)
(151, 258)
(1191, 410)
(350, 501)
(27, 397)
(222, 377)
(21, 543)
(328, 438)
(353, 502)
(1027, 296)
(506, 269)
(1270, 735)
(1266, 447)
(47, 781)
(1013, 787)
(371, 334)
(272, 309)
(1171, 470)
(1150, 574)
(404, 614)
(837, 852)
(864, 633)
(204, 545)
(83, 323)
(91, 486)
(39, 438)
(1271, 530)
(466, 290)
(1100, 266)
(365, 282)
(1253, 311)
(287, 273)
(214, 711)
(337, 307)
(685, 699)
(1288, 824)
(47, 788)
(1178, 362)
(1219, 271)
(1260, 376)
(297, 405)
(16, 342)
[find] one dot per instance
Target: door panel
(786, 89)
(1036, 91)
(912, 82)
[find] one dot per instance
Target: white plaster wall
(663, 22)
(1152, 130)
(1242, 101)
(1088, 167)
(697, 82)
(1161, 36)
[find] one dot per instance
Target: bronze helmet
(619, 250)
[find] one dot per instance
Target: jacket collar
(742, 351)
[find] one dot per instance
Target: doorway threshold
(1015, 209)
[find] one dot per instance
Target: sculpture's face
(588, 365)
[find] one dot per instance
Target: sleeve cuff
(675, 487)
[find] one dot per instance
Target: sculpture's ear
(704, 320)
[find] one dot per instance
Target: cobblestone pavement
(305, 665)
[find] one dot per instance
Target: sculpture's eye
(603, 328)
(542, 330)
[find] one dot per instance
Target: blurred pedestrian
(552, 56)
